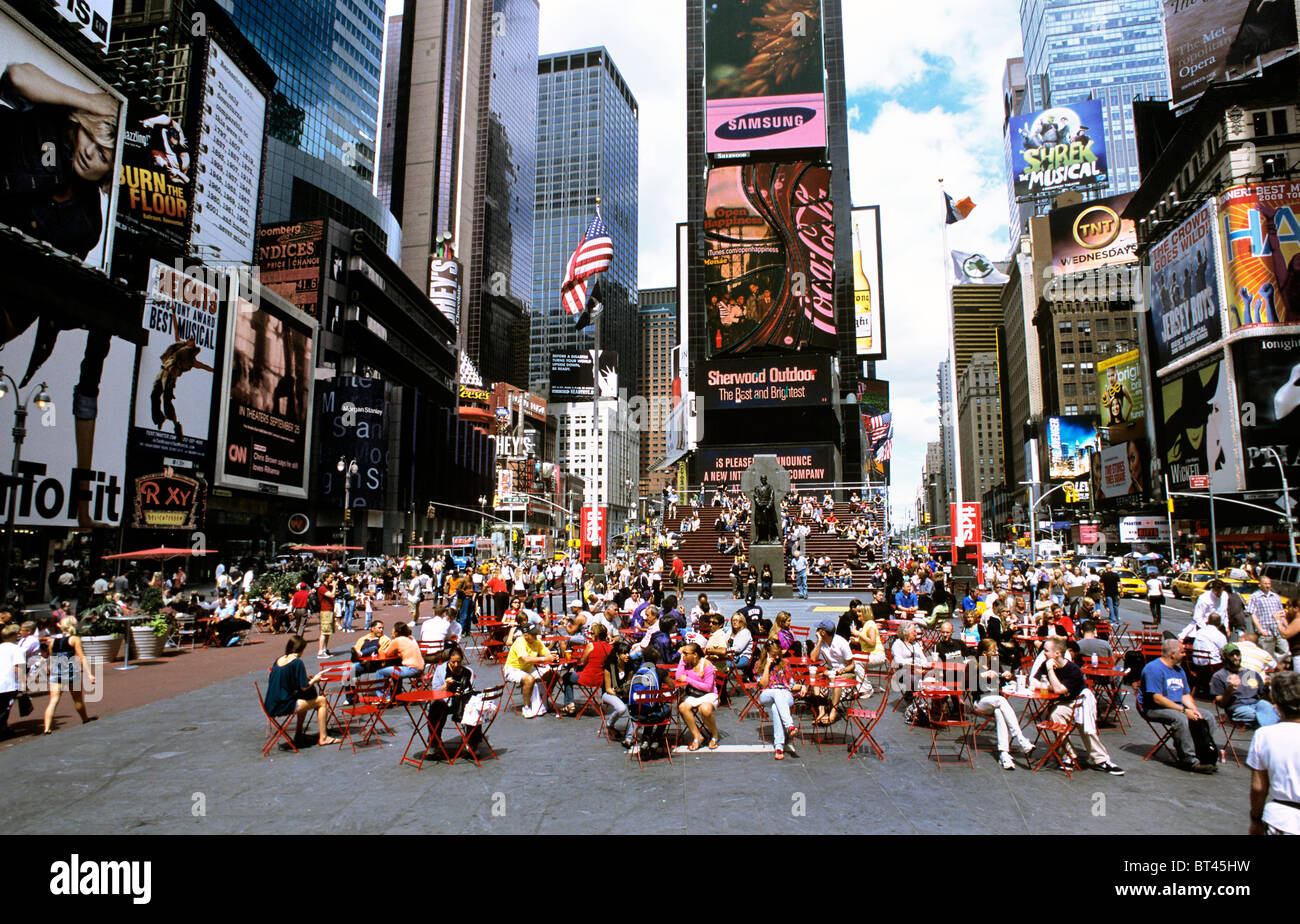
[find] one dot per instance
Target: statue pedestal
(774, 557)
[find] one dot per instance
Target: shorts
(65, 670)
(326, 622)
(514, 675)
(693, 701)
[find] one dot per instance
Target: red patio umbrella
(327, 548)
(162, 552)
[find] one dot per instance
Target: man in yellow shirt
(529, 661)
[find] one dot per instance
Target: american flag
(594, 255)
(880, 427)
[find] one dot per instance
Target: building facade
(587, 149)
(979, 423)
(659, 337)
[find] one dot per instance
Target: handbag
(24, 704)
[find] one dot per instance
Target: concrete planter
(145, 645)
(102, 648)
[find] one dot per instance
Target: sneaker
(528, 713)
(1067, 764)
(779, 754)
(1026, 746)
(627, 743)
(1110, 768)
(790, 749)
(1005, 760)
(634, 749)
(1205, 768)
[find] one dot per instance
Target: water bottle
(1094, 659)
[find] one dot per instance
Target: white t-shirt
(1276, 748)
(1155, 587)
(439, 629)
(10, 657)
(836, 653)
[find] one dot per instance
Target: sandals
(327, 741)
(779, 754)
(713, 744)
(694, 745)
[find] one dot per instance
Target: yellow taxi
(1244, 588)
(1130, 585)
(1192, 583)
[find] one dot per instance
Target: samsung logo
(768, 122)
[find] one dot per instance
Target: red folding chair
(950, 718)
(650, 699)
(1230, 727)
(372, 697)
(865, 720)
(277, 726)
(1055, 735)
(1164, 733)
(476, 733)
(848, 696)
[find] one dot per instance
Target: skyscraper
(388, 109)
(323, 117)
(587, 146)
(1077, 50)
(463, 162)
(659, 336)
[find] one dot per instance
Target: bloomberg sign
(743, 384)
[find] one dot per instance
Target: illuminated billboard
(764, 83)
(769, 258)
(289, 257)
(1058, 149)
(1259, 227)
(1184, 295)
(743, 384)
(1070, 444)
(723, 466)
(868, 302)
(1268, 391)
(1092, 234)
(1123, 400)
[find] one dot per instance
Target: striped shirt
(1265, 607)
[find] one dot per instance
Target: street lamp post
(41, 395)
(482, 514)
(348, 469)
(1286, 493)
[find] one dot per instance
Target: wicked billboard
(1197, 431)
(764, 87)
(769, 255)
(1058, 149)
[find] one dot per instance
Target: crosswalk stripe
(726, 749)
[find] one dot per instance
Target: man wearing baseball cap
(1238, 691)
(835, 653)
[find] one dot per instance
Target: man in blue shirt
(1237, 691)
(905, 602)
(800, 566)
(968, 602)
(1167, 699)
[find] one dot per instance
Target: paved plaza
(190, 763)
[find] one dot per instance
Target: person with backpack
(645, 679)
(1166, 697)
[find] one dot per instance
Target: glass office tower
(587, 146)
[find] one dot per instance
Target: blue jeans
(1112, 604)
(801, 583)
(778, 702)
(401, 673)
(1261, 713)
(466, 614)
(349, 608)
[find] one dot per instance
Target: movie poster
(764, 86)
(1058, 149)
(1184, 295)
(1197, 428)
(1260, 229)
(1124, 469)
(769, 258)
(1122, 398)
(1211, 40)
(173, 398)
(1268, 393)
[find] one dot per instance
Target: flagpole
(950, 312)
(594, 490)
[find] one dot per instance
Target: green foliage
(151, 601)
(94, 621)
(161, 625)
(277, 582)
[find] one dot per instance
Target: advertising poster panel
(868, 295)
(174, 384)
(1197, 429)
(444, 287)
(1211, 40)
(769, 258)
(231, 122)
(352, 416)
(1268, 393)
(873, 401)
(1123, 399)
(289, 259)
(1070, 444)
(593, 521)
(1184, 295)
(82, 162)
(571, 378)
(1056, 149)
(744, 384)
(1124, 469)
(155, 183)
(266, 424)
(723, 466)
(1143, 529)
(764, 87)
(1260, 228)
(1092, 234)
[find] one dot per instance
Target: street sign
(1198, 482)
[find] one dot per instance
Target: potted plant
(147, 636)
(101, 637)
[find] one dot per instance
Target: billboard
(231, 129)
(571, 378)
(176, 377)
(965, 520)
(1184, 296)
(93, 17)
(353, 411)
(1143, 529)
(1211, 40)
(764, 85)
(593, 533)
(1092, 234)
(444, 287)
(743, 384)
(289, 260)
(1198, 425)
(873, 401)
(868, 301)
(155, 183)
(1268, 393)
(1122, 397)
(76, 206)
(1124, 469)
(769, 258)
(1260, 227)
(1058, 149)
(722, 467)
(1070, 443)
(166, 500)
(266, 421)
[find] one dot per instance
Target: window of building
(1067, 348)
(1085, 346)
(1275, 165)
(1064, 327)
(1085, 327)
(1070, 389)
(1103, 325)
(1087, 368)
(1070, 410)
(1067, 368)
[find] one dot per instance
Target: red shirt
(299, 600)
(496, 586)
(593, 674)
(326, 599)
(679, 567)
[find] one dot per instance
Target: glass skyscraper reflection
(587, 146)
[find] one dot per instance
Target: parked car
(359, 564)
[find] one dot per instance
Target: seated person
(905, 602)
(706, 573)
(1167, 698)
(696, 678)
(989, 701)
(1207, 649)
(1090, 645)
(949, 648)
(1238, 691)
(881, 611)
(454, 676)
(233, 618)
(289, 691)
(1065, 679)
(529, 661)
(832, 650)
(441, 628)
(910, 660)
(1254, 657)
(716, 645)
(404, 648)
(590, 669)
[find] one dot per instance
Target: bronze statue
(765, 524)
